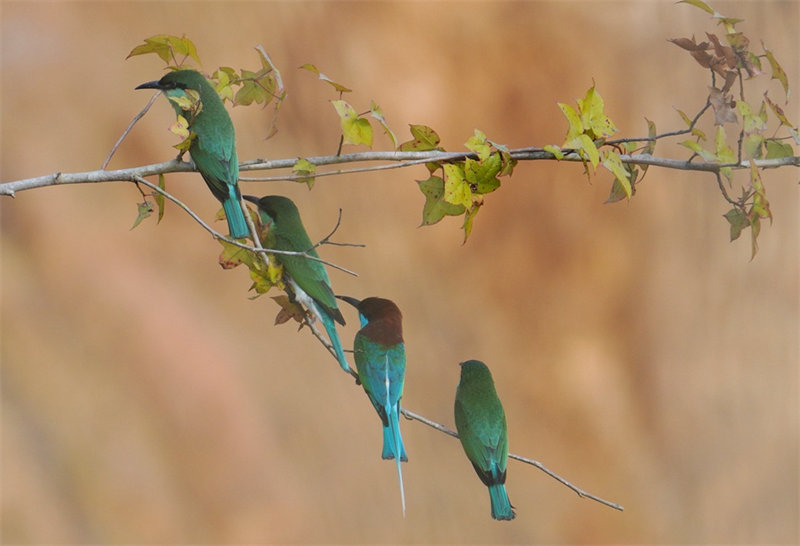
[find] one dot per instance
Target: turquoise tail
(393, 440)
(501, 507)
(330, 327)
(392, 444)
(237, 226)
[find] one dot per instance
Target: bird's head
(279, 208)
(177, 81)
(374, 310)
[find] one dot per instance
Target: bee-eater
(307, 278)
(381, 363)
(481, 425)
(213, 148)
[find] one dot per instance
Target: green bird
(213, 148)
(481, 425)
(306, 278)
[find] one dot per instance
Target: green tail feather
(501, 507)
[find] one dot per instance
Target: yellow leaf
(777, 71)
(477, 143)
(376, 112)
(586, 148)
(356, 130)
(698, 4)
(596, 124)
(574, 120)
(555, 150)
(456, 188)
(425, 139)
(613, 163)
(306, 170)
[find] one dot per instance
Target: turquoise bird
(481, 425)
(213, 149)
(381, 363)
(307, 278)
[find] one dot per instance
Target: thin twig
(725, 192)
(580, 492)
(217, 235)
(138, 116)
(327, 239)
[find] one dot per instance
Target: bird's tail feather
(237, 226)
(501, 507)
(330, 327)
(392, 441)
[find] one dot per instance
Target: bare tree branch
(581, 493)
(398, 160)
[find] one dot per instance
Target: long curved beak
(149, 85)
(251, 198)
(352, 301)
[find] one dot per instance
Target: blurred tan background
(145, 399)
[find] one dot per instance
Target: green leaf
(144, 210)
(356, 130)
(456, 188)
(252, 90)
(159, 198)
(376, 112)
(436, 207)
(777, 149)
(477, 143)
(613, 163)
(507, 163)
(305, 169)
(425, 139)
(738, 221)
(339, 87)
(482, 175)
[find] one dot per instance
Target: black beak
(352, 301)
(150, 85)
(251, 198)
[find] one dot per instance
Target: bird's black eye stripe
(173, 85)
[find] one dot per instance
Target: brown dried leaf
(723, 106)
